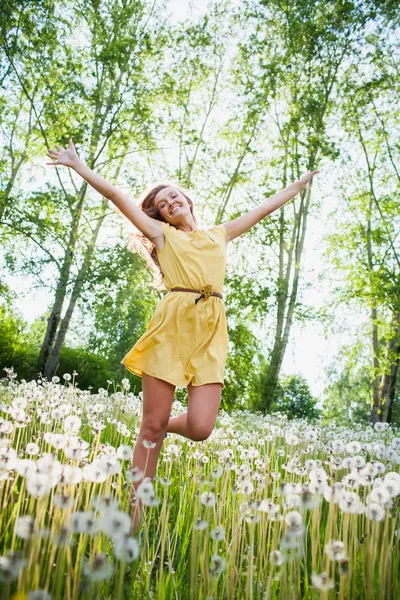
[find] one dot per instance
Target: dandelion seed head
(134, 474)
(64, 501)
(379, 495)
(294, 520)
(6, 427)
(8, 458)
(38, 485)
(148, 444)
(98, 569)
(217, 565)
(25, 467)
(208, 499)
(70, 474)
(11, 565)
(24, 527)
(165, 481)
(335, 550)
(375, 512)
(115, 524)
(246, 487)
(277, 558)
(218, 533)
(125, 452)
(84, 522)
(217, 472)
(200, 525)
(322, 582)
(126, 549)
(72, 424)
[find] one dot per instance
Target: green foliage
(94, 371)
(119, 302)
(241, 379)
(15, 350)
(294, 399)
(347, 397)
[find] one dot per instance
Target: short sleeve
(166, 230)
(219, 229)
(223, 230)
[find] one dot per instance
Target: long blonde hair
(139, 242)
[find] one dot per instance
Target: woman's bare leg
(199, 421)
(158, 396)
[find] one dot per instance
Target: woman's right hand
(66, 157)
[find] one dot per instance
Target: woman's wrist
(298, 186)
(77, 164)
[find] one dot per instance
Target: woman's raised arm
(151, 228)
(242, 224)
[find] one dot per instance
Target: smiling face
(172, 205)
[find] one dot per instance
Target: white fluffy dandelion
(38, 485)
(200, 525)
(148, 444)
(126, 549)
(145, 492)
(64, 501)
(294, 521)
(208, 499)
(134, 474)
(116, 524)
(25, 467)
(218, 533)
(217, 565)
(322, 582)
(335, 550)
(125, 452)
(277, 558)
(379, 495)
(98, 569)
(375, 512)
(24, 527)
(72, 424)
(84, 522)
(8, 458)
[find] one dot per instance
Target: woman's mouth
(174, 209)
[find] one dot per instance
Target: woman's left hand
(305, 180)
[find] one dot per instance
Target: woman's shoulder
(218, 229)
(170, 229)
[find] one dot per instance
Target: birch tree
(366, 246)
(291, 64)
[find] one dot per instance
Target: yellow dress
(186, 342)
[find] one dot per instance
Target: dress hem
(139, 373)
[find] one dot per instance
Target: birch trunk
(54, 357)
(286, 300)
(62, 284)
(387, 388)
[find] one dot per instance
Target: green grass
(246, 466)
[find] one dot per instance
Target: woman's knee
(153, 428)
(200, 432)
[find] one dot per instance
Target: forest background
(233, 100)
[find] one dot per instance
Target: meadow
(266, 508)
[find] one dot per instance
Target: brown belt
(205, 292)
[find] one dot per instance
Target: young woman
(186, 342)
